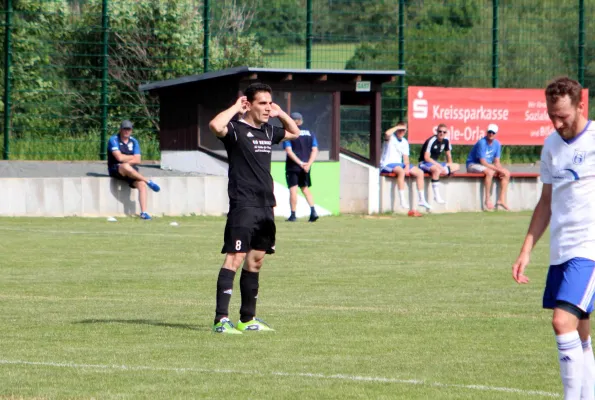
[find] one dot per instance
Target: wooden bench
(463, 191)
(471, 175)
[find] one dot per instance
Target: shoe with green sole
(254, 325)
(225, 326)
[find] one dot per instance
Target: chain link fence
(71, 68)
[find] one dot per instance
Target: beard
(571, 130)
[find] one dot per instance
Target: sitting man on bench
(395, 159)
(431, 150)
(484, 158)
(123, 156)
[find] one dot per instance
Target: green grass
(71, 148)
(324, 56)
(364, 308)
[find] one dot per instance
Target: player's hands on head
(275, 110)
(242, 104)
(518, 268)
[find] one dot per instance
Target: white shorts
(476, 168)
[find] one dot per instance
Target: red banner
(521, 114)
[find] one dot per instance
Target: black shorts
(298, 178)
(249, 228)
(113, 172)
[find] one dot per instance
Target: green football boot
(254, 325)
(225, 326)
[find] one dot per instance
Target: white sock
(436, 190)
(402, 196)
(422, 196)
(572, 361)
(588, 386)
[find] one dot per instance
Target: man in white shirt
(566, 203)
(395, 159)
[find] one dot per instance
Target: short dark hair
(561, 87)
(254, 88)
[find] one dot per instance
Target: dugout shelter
(187, 104)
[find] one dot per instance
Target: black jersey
(249, 154)
(434, 147)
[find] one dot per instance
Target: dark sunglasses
(442, 132)
(491, 133)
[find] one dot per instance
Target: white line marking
(170, 234)
(342, 377)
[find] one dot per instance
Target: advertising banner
(521, 114)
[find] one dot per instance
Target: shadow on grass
(144, 322)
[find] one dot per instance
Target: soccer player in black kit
(250, 228)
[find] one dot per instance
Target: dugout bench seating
(463, 191)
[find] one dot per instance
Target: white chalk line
(341, 377)
(170, 234)
(135, 233)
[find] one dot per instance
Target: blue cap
(296, 115)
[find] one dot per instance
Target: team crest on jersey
(442, 147)
(579, 157)
(130, 146)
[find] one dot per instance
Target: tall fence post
(581, 42)
(495, 40)
(401, 59)
(7, 68)
(309, 35)
(104, 78)
(206, 20)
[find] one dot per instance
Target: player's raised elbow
(217, 129)
(291, 135)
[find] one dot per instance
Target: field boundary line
(342, 377)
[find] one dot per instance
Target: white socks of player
(572, 362)
(588, 386)
(436, 190)
(404, 202)
(422, 199)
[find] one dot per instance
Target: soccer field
(364, 308)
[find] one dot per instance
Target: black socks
(249, 291)
(224, 290)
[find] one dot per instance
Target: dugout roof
(188, 103)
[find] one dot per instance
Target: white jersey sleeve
(545, 165)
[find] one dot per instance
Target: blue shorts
(388, 168)
(572, 282)
(425, 166)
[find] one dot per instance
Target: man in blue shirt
(301, 154)
(484, 158)
(123, 156)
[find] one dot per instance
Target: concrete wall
(461, 194)
(193, 161)
(94, 196)
(359, 187)
(362, 191)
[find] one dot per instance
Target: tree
(150, 40)
(37, 72)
